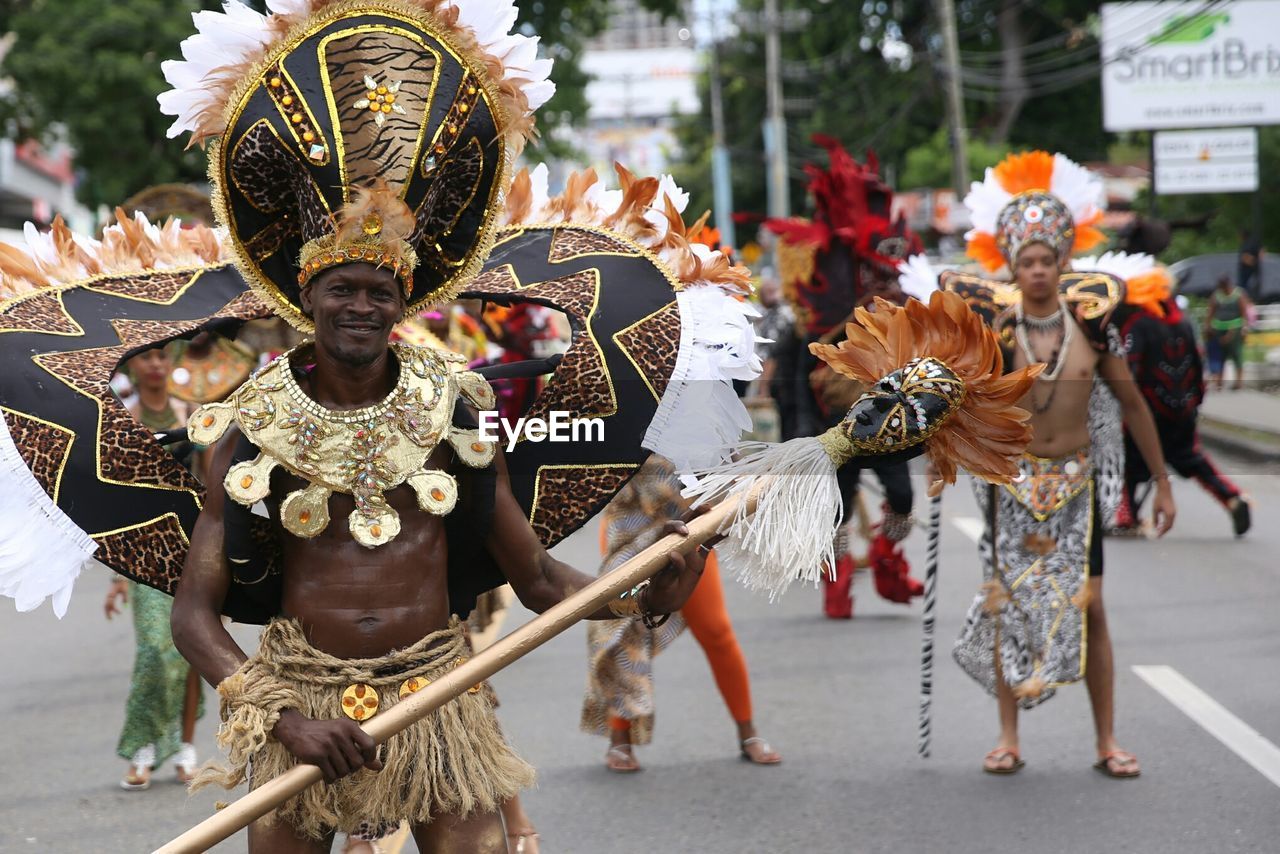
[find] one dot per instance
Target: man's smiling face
(354, 307)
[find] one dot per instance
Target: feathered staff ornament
(936, 373)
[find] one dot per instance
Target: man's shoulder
(454, 359)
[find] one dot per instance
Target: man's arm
(198, 632)
(1143, 429)
(540, 581)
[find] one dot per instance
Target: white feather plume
(1078, 188)
(985, 200)
(238, 34)
(1122, 265)
(917, 278)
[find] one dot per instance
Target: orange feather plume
(984, 249)
(1149, 291)
(989, 430)
(1030, 170)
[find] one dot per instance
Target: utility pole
(721, 183)
(955, 102)
(775, 128)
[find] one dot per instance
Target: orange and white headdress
(1033, 197)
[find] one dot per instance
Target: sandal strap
(144, 757)
(1002, 752)
(187, 757)
(755, 739)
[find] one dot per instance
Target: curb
(1241, 441)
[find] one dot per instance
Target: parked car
(1198, 275)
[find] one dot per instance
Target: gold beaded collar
(360, 452)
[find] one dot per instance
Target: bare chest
(1059, 400)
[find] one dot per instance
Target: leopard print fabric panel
(126, 451)
(497, 280)
(644, 345)
(567, 497)
(455, 183)
(588, 389)
(261, 165)
(155, 287)
(42, 312)
(160, 546)
(568, 244)
(43, 447)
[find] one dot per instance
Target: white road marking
(1240, 738)
(970, 526)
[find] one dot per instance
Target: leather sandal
(1125, 764)
(770, 756)
(138, 776)
(620, 760)
(523, 842)
(999, 755)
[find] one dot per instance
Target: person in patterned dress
(619, 696)
(164, 693)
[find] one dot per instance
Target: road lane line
(970, 526)
(1240, 738)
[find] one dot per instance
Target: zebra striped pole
(926, 646)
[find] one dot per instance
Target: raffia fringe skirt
(454, 762)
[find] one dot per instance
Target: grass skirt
(454, 762)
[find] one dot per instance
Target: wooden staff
(478, 668)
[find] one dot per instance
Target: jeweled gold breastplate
(363, 453)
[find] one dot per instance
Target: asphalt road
(838, 699)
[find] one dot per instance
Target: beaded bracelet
(628, 602)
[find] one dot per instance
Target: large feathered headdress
(373, 131)
(849, 252)
(1033, 197)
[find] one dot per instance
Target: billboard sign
(1190, 64)
(1206, 161)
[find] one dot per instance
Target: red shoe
(891, 571)
(1124, 520)
(837, 596)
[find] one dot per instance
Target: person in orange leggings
(619, 697)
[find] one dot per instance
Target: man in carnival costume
(1026, 632)
(374, 451)
(1160, 346)
(846, 257)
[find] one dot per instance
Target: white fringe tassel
(798, 508)
(41, 550)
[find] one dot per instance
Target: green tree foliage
(92, 67)
(929, 164)
(844, 76)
